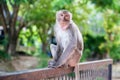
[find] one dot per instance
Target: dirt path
(116, 71)
(19, 63)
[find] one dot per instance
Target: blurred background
(26, 31)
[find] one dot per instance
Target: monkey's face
(63, 17)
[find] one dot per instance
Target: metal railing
(93, 70)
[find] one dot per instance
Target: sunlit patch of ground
(19, 63)
(116, 71)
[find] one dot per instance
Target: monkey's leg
(53, 49)
(69, 60)
(74, 57)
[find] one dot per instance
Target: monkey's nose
(66, 18)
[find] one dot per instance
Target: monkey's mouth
(64, 24)
(66, 19)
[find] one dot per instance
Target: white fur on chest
(62, 36)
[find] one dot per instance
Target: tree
(11, 22)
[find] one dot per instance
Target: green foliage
(100, 27)
(98, 20)
(85, 55)
(61, 4)
(115, 53)
(40, 15)
(4, 56)
(112, 29)
(12, 2)
(103, 3)
(116, 6)
(43, 60)
(28, 39)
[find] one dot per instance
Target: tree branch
(13, 20)
(14, 15)
(21, 25)
(7, 12)
(40, 35)
(2, 18)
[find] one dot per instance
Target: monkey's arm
(58, 53)
(65, 55)
(58, 48)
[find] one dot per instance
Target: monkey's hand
(51, 64)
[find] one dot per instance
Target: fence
(93, 70)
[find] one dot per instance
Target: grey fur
(69, 43)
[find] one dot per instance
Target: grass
(43, 60)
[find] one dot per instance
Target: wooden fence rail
(93, 70)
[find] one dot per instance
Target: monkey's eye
(61, 15)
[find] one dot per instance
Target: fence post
(77, 74)
(110, 72)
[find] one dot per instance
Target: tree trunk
(9, 23)
(44, 47)
(11, 47)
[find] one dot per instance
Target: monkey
(69, 40)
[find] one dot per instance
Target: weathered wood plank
(94, 64)
(36, 74)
